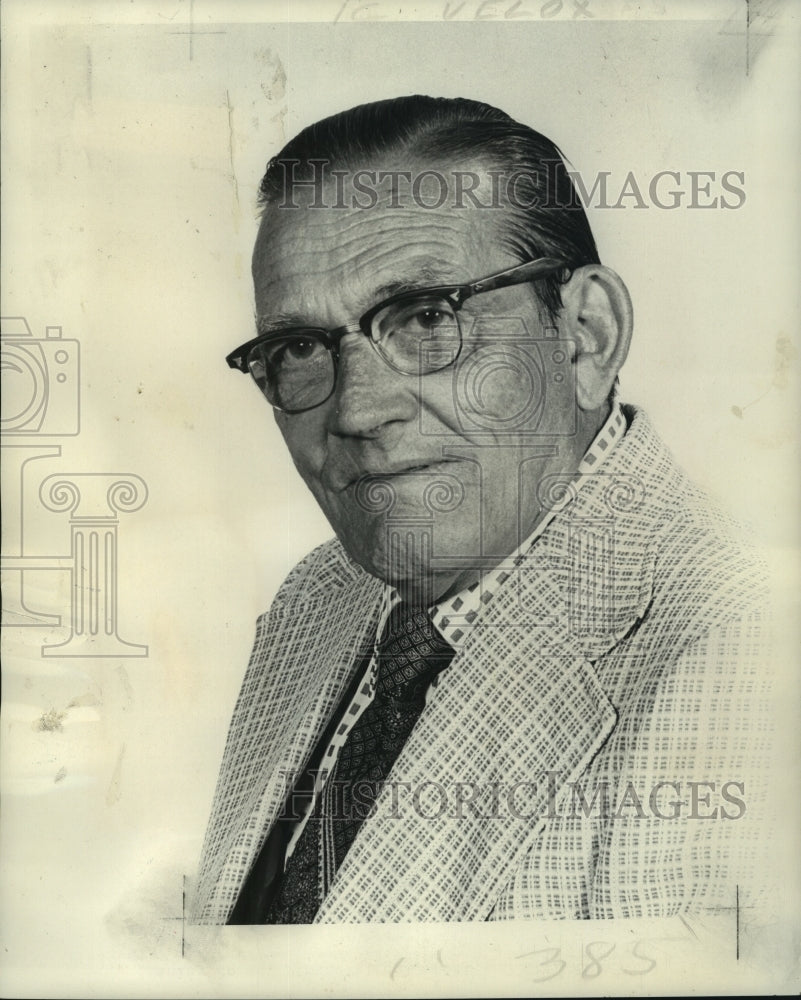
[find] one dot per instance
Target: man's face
(425, 479)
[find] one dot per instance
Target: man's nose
(369, 394)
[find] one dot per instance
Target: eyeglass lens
(415, 335)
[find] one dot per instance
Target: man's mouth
(399, 469)
(406, 468)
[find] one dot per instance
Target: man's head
(431, 470)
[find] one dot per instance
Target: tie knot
(410, 654)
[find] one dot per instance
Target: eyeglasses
(415, 333)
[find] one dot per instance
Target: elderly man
(524, 679)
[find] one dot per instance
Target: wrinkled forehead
(370, 214)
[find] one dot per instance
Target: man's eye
(430, 319)
(301, 349)
(292, 352)
(421, 319)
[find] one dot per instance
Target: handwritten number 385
(594, 954)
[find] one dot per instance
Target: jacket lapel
(518, 713)
(305, 653)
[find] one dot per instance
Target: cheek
(304, 436)
(492, 394)
(499, 381)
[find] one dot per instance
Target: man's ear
(597, 317)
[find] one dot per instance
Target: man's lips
(398, 469)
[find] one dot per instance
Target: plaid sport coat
(598, 747)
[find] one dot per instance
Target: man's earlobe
(597, 317)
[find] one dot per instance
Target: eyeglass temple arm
(517, 275)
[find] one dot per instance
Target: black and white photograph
(400, 465)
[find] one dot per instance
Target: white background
(132, 150)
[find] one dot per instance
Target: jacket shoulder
(710, 560)
(702, 559)
(327, 567)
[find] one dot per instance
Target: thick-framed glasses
(415, 333)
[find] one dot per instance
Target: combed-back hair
(545, 218)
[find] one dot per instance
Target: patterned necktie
(409, 656)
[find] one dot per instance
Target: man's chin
(409, 571)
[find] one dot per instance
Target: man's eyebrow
(417, 275)
(279, 321)
(426, 274)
